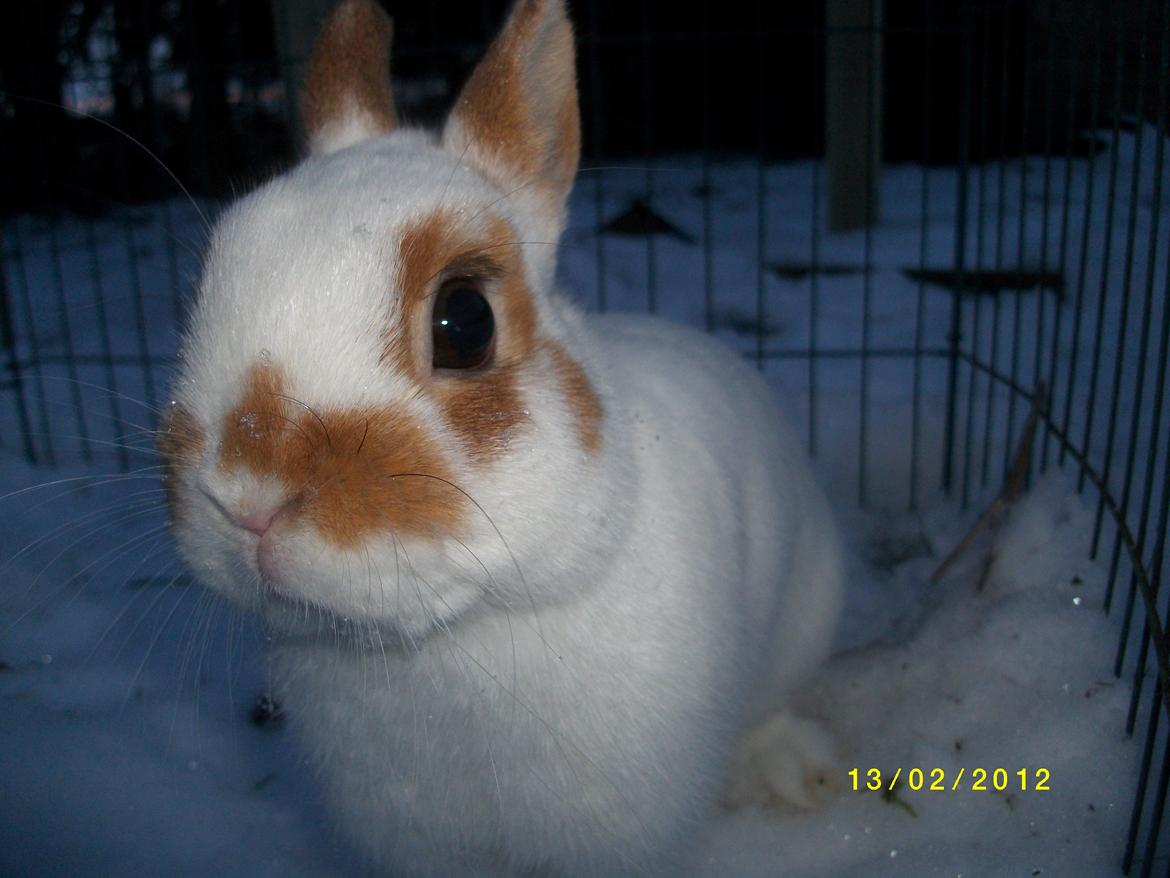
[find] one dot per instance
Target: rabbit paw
(786, 763)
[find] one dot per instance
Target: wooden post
(853, 112)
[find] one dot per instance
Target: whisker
(101, 388)
(310, 410)
(133, 500)
(104, 443)
(503, 541)
(139, 509)
(112, 555)
(138, 593)
(133, 474)
(119, 131)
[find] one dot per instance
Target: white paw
(786, 762)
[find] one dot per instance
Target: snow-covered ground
(127, 745)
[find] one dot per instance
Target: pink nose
(259, 521)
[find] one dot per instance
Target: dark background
(200, 83)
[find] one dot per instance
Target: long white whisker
(119, 131)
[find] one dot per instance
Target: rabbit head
(382, 410)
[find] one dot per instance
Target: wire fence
(1013, 154)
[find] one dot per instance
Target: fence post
(16, 373)
(853, 115)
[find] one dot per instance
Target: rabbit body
(528, 577)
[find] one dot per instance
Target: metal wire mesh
(1030, 203)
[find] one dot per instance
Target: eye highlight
(462, 326)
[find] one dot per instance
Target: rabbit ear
(347, 89)
(516, 120)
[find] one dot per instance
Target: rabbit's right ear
(347, 89)
(516, 121)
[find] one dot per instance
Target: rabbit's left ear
(347, 89)
(516, 120)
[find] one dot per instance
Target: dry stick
(1014, 483)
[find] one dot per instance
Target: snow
(126, 746)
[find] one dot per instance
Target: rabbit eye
(462, 326)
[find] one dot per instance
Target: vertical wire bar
(598, 125)
(1103, 289)
(1164, 775)
(15, 370)
(872, 76)
(814, 282)
(1000, 203)
(1062, 259)
(1126, 291)
(65, 327)
(170, 241)
(1021, 241)
(761, 187)
(198, 119)
(1148, 299)
(1151, 462)
(708, 227)
(135, 274)
(1086, 226)
(34, 347)
(648, 146)
(960, 252)
(168, 226)
(1139, 800)
(980, 237)
(113, 397)
(107, 349)
(923, 255)
(1045, 217)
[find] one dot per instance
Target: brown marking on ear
(348, 74)
(580, 396)
(517, 115)
(351, 472)
(181, 442)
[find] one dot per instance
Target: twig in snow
(1014, 484)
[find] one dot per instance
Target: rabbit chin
(298, 583)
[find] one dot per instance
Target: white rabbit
(529, 574)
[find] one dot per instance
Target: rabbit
(529, 576)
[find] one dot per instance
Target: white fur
(561, 691)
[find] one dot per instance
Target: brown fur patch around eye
(181, 442)
(349, 72)
(580, 396)
(350, 472)
(424, 250)
(483, 407)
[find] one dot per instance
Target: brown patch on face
(350, 472)
(519, 108)
(349, 70)
(180, 442)
(484, 406)
(483, 409)
(424, 250)
(580, 396)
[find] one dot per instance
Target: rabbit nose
(259, 521)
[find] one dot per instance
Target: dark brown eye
(462, 326)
